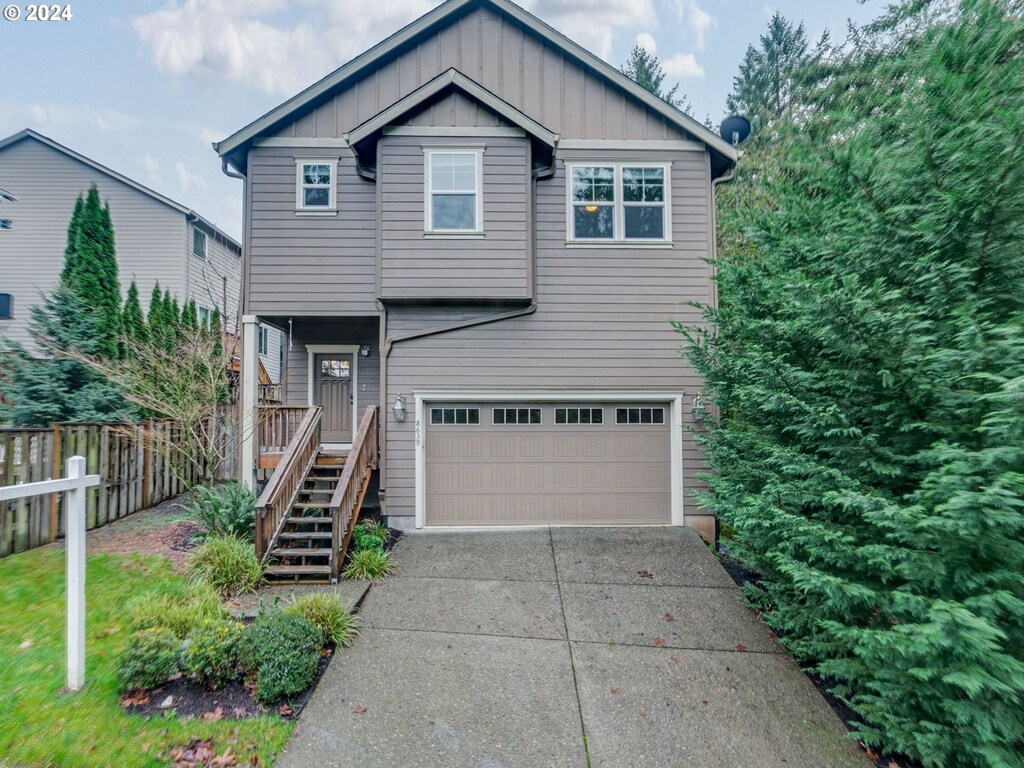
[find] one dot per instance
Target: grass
(40, 725)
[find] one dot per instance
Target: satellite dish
(735, 129)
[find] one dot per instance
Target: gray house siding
(151, 238)
(415, 265)
(456, 109)
(214, 282)
(309, 265)
(504, 58)
(602, 321)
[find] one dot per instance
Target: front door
(332, 390)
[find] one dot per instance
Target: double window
(619, 202)
(315, 188)
(454, 200)
(264, 341)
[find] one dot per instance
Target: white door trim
(674, 400)
(312, 350)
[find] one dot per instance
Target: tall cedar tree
(645, 70)
(867, 363)
(189, 315)
(133, 324)
(90, 269)
(763, 90)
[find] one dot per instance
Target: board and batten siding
(456, 109)
(419, 265)
(602, 321)
(151, 238)
(506, 59)
(302, 265)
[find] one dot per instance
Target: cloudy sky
(145, 86)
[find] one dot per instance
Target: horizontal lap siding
(309, 265)
(602, 321)
(416, 266)
(206, 280)
(150, 237)
(343, 332)
(509, 61)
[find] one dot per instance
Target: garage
(547, 463)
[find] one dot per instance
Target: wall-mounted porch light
(364, 350)
(698, 409)
(399, 408)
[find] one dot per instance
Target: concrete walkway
(574, 647)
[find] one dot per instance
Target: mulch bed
(235, 701)
(742, 575)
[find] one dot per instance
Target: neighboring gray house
(157, 239)
(482, 221)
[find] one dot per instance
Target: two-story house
(157, 239)
(486, 230)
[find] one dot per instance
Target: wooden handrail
(278, 497)
(277, 425)
(352, 485)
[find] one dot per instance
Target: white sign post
(74, 528)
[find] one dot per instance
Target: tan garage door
(521, 463)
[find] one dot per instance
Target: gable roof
(452, 77)
(240, 140)
(28, 133)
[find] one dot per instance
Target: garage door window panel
(455, 416)
(639, 415)
(517, 416)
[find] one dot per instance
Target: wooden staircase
(305, 516)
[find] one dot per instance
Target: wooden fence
(132, 462)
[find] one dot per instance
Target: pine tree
(133, 324)
(645, 70)
(190, 315)
(866, 359)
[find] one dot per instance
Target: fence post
(74, 528)
(55, 473)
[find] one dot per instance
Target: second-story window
(6, 306)
(6, 224)
(315, 188)
(618, 203)
(453, 191)
(198, 243)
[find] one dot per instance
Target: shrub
(227, 564)
(211, 654)
(229, 510)
(282, 649)
(369, 536)
(180, 610)
(371, 564)
(150, 657)
(327, 613)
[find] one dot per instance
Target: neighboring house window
(315, 184)
(639, 415)
(6, 306)
(205, 317)
(516, 416)
(6, 223)
(454, 203)
(618, 203)
(579, 415)
(264, 340)
(462, 416)
(198, 243)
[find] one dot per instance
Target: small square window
(315, 185)
(436, 416)
(198, 243)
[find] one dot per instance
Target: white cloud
(42, 117)
(152, 168)
(189, 183)
(208, 136)
(646, 41)
(695, 20)
(683, 65)
(593, 23)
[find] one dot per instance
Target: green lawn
(41, 726)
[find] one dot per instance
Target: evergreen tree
(90, 268)
(190, 315)
(133, 324)
(866, 360)
(216, 322)
(645, 70)
(764, 88)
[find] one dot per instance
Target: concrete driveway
(602, 647)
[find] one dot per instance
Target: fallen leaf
(285, 710)
(614, 690)
(326, 652)
(645, 574)
(643, 713)
(669, 617)
(658, 641)
(240, 712)
(250, 686)
(135, 698)
(214, 715)
(872, 755)
(741, 648)
(430, 546)
(168, 702)
(145, 747)
(357, 709)
(255, 762)
(676, 660)
(704, 702)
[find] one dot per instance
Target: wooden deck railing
(277, 426)
(277, 498)
(351, 488)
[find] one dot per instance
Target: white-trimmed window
(314, 186)
(205, 316)
(640, 415)
(198, 243)
(264, 343)
(454, 203)
(618, 203)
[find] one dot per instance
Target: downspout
(723, 179)
(388, 342)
